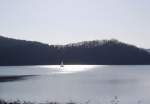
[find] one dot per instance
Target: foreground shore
(115, 100)
(28, 102)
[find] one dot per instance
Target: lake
(80, 83)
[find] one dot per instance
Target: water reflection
(14, 78)
(56, 69)
(74, 68)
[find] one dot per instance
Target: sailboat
(62, 64)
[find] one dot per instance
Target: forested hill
(104, 52)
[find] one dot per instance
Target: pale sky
(67, 21)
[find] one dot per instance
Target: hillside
(21, 52)
(104, 52)
(148, 50)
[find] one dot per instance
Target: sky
(67, 21)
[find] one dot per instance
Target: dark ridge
(98, 52)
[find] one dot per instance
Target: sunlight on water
(45, 69)
(69, 68)
(75, 68)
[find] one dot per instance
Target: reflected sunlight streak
(69, 68)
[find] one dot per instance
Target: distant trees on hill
(110, 52)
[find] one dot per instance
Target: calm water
(79, 83)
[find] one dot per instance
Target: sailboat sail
(62, 64)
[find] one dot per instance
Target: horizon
(70, 21)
